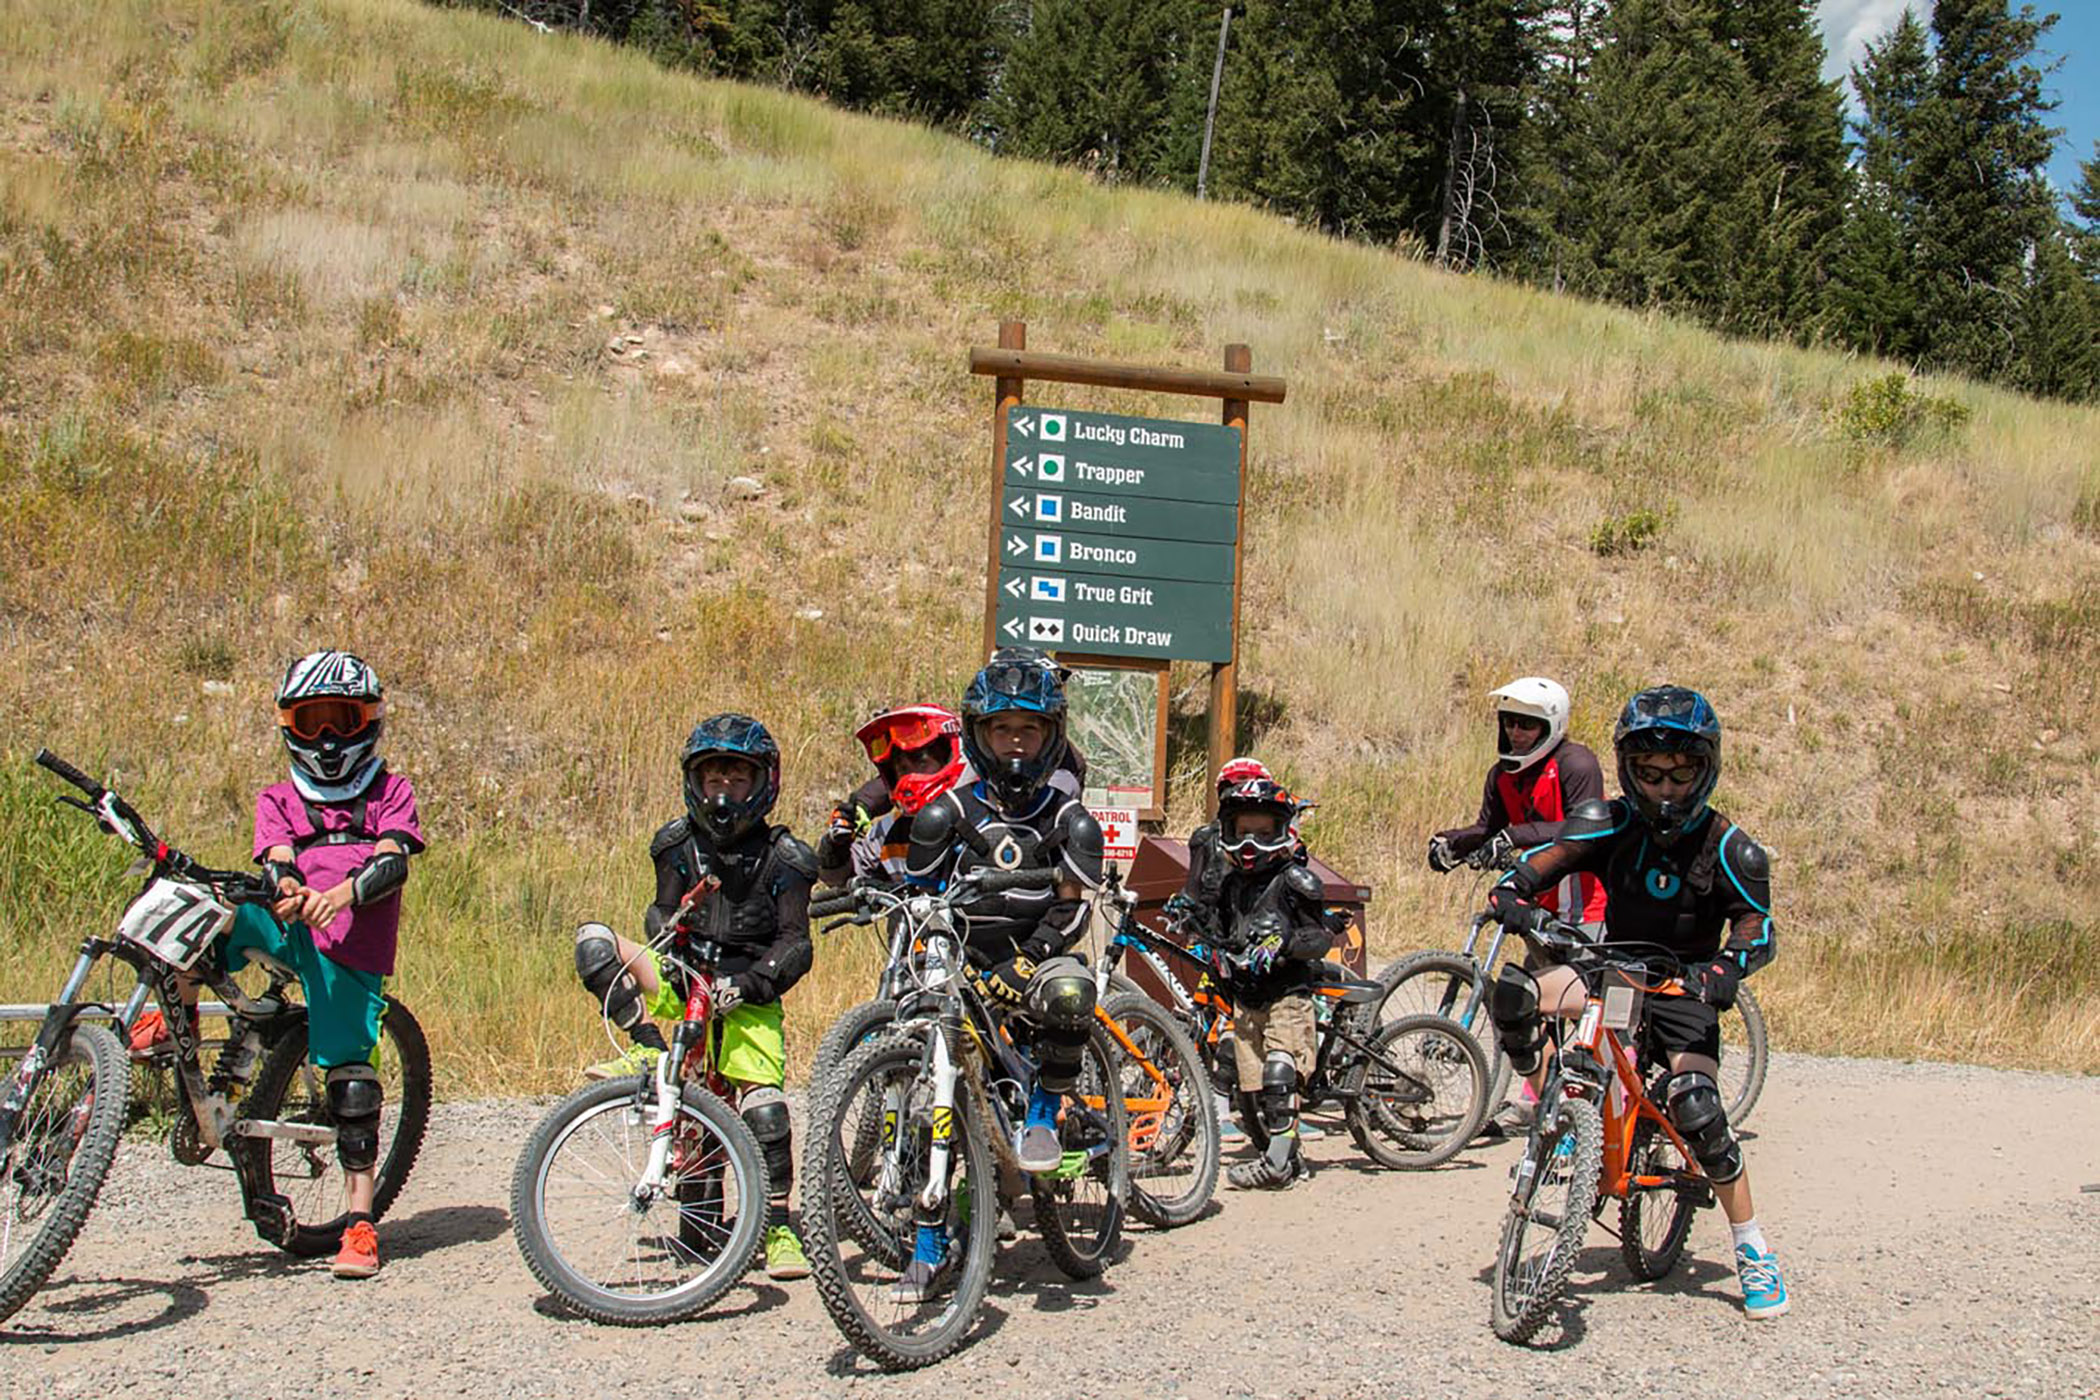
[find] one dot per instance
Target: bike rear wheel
(65, 1140)
(1549, 1212)
(291, 1089)
(1079, 1207)
(1173, 1116)
(1745, 1053)
(1447, 984)
(613, 1253)
(899, 1322)
(1661, 1196)
(1420, 1095)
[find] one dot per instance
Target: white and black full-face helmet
(1535, 698)
(330, 710)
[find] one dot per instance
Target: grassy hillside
(357, 322)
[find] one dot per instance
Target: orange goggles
(329, 714)
(908, 733)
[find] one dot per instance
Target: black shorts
(1680, 1026)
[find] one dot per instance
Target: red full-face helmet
(915, 730)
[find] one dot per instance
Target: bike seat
(1335, 980)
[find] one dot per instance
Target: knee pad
(355, 1097)
(1694, 1104)
(1513, 1004)
(1279, 1092)
(1061, 996)
(606, 977)
(765, 1112)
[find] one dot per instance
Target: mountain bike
(1174, 1144)
(1600, 1135)
(1413, 1090)
(640, 1200)
(1456, 984)
(263, 1103)
(910, 1139)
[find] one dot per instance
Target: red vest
(1543, 804)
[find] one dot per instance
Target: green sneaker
(784, 1257)
(637, 1059)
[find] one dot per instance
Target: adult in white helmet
(1538, 779)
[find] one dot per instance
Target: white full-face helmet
(1537, 698)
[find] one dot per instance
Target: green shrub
(1629, 533)
(1889, 412)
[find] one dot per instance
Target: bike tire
(854, 1025)
(289, 1089)
(599, 1119)
(1441, 984)
(92, 1117)
(1173, 1145)
(1524, 1297)
(1746, 1055)
(1079, 1209)
(1654, 1221)
(1433, 1052)
(857, 1284)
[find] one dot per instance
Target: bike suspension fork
(933, 1196)
(664, 1121)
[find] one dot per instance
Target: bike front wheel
(1453, 985)
(909, 1298)
(1173, 1116)
(1549, 1212)
(290, 1088)
(1079, 1206)
(64, 1142)
(1420, 1094)
(1745, 1052)
(615, 1250)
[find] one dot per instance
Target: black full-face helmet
(1257, 796)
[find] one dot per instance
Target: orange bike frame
(1619, 1119)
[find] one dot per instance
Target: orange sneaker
(149, 1033)
(359, 1256)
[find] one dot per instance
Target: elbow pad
(383, 874)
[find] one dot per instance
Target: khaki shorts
(1287, 1025)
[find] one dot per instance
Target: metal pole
(1210, 118)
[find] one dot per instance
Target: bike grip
(52, 762)
(1015, 880)
(836, 904)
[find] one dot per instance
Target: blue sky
(1848, 25)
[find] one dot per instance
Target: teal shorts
(343, 1005)
(754, 1048)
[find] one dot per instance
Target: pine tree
(1978, 154)
(2058, 330)
(1780, 289)
(1106, 82)
(1543, 212)
(1665, 196)
(1482, 62)
(1875, 299)
(2084, 199)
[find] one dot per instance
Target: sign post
(1115, 540)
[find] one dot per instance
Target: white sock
(1752, 1234)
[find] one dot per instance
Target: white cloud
(1848, 26)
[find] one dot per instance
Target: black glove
(1441, 857)
(1007, 982)
(1515, 913)
(1717, 982)
(1495, 855)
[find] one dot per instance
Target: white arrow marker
(1019, 506)
(1024, 465)
(1013, 586)
(1024, 424)
(1012, 627)
(1016, 545)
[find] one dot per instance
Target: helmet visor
(906, 733)
(339, 715)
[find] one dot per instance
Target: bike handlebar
(858, 897)
(52, 762)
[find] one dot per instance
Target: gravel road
(1930, 1218)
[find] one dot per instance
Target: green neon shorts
(343, 1005)
(754, 1048)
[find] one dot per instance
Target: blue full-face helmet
(1024, 680)
(1669, 719)
(722, 817)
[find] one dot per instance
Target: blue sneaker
(916, 1283)
(1764, 1291)
(1036, 1148)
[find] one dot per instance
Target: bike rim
(622, 1244)
(40, 1162)
(309, 1174)
(1424, 1090)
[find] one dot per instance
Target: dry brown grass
(308, 336)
